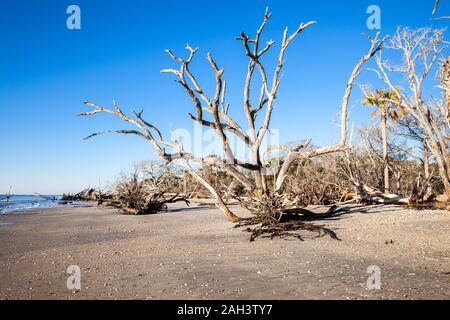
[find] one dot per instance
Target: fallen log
(384, 199)
(368, 194)
(297, 214)
(53, 198)
(88, 194)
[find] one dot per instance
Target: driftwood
(154, 203)
(275, 216)
(84, 195)
(419, 195)
(371, 195)
(132, 198)
(52, 198)
(294, 214)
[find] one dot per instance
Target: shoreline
(55, 206)
(195, 253)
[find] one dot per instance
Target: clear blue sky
(46, 71)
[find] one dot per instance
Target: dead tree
(160, 175)
(409, 128)
(87, 194)
(436, 7)
(138, 195)
(421, 50)
(212, 112)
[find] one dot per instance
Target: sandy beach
(194, 253)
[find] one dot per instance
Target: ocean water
(26, 203)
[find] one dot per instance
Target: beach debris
(49, 198)
(275, 216)
(88, 194)
(146, 191)
(139, 196)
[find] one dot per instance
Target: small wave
(26, 203)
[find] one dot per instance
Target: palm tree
(387, 107)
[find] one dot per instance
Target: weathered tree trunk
(445, 83)
(398, 180)
(385, 152)
(426, 161)
(444, 175)
(368, 194)
(426, 168)
(185, 184)
(220, 203)
(440, 159)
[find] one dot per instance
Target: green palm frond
(386, 101)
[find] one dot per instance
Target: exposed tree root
(283, 229)
(275, 216)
